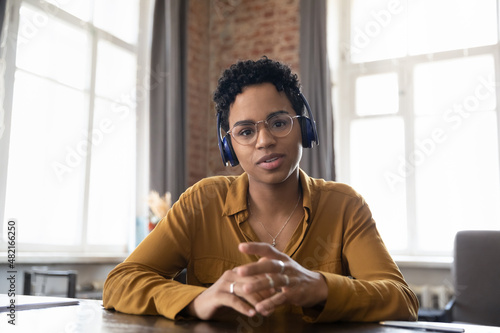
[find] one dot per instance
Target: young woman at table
(271, 240)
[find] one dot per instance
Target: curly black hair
(249, 72)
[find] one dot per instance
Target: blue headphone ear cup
(226, 148)
(228, 151)
(308, 126)
(308, 132)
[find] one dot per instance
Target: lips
(269, 158)
(271, 161)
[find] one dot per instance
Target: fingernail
(251, 312)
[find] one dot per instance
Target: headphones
(307, 125)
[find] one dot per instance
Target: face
(269, 159)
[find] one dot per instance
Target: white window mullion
(91, 103)
(8, 63)
(406, 110)
(496, 56)
(49, 9)
(104, 35)
(142, 142)
(345, 94)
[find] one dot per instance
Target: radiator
(433, 297)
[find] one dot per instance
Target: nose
(264, 137)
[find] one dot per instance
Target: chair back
(70, 275)
(476, 272)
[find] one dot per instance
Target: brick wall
(198, 93)
(222, 32)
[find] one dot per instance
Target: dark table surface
(90, 316)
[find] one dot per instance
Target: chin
(273, 177)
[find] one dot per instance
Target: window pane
(118, 17)
(441, 25)
(457, 179)
(377, 94)
(52, 48)
(455, 88)
(46, 161)
(377, 154)
(112, 172)
(116, 72)
(80, 9)
(378, 30)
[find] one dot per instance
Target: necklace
(284, 225)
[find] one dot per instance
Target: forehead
(256, 102)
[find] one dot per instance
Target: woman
(272, 240)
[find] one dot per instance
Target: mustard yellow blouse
(201, 232)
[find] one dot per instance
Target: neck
(273, 198)
(274, 211)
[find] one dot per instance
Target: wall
(198, 94)
(222, 32)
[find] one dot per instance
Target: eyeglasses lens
(279, 125)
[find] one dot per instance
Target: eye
(244, 131)
(280, 122)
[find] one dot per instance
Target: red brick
(221, 32)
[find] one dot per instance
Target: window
(417, 117)
(71, 134)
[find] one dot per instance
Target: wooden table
(90, 316)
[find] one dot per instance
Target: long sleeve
(143, 283)
(370, 286)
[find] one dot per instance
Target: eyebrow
(246, 122)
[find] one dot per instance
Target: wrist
(322, 290)
(190, 309)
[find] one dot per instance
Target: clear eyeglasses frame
(279, 125)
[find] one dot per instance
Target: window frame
(141, 49)
(344, 75)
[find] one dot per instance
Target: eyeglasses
(279, 125)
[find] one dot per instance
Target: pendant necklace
(284, 225)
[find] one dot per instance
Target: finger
(216, 298)
(286, 282)
(264, 283)
(257, 297)
(263, 266)
(269, 305)
(242, 289)
(238, 304)
(273, 282)
(260, 249)
(232, 295)
(280, 262)
(231, 287)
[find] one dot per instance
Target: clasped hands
(260, 287)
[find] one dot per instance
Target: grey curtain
(315, 78)
(167, 98)
(3, 4)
